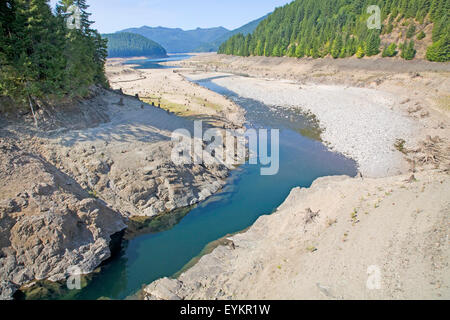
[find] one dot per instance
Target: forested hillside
(132, 45)
(317, 28)
(41, 58)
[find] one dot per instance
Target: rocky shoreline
(48, 223)
(76, 180)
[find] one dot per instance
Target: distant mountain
(132, 45)
(245, 29)
(178, 40)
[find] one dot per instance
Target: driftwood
(32, 111)
(431, 151)
(310, 216)
(230, 244)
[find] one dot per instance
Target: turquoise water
(247, 196)
(164, 249)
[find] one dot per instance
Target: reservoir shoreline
(289, 256)
(363, 114)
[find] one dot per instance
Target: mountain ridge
(177, 40)
(245, 29)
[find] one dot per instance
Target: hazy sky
(114, 15)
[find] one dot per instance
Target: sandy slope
(396, 228)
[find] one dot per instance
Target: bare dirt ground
(343, 238)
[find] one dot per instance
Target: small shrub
(421, 35)
(360, 52)
(400, 145)
(408, 52)
(389, 28)
(411, 31)
(390, 51)
(93, 194)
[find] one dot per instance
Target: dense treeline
(317, 28)
(125, 44)
(41, 58)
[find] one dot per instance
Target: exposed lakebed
(170, 243)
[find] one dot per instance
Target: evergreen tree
(408, 51)
(300, 51)
(439, 51)
(336, 48)
(40, 59)
(360, 52)
(373, 44)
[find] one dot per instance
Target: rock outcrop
(48, 223)
(127, 162)
(69, 185)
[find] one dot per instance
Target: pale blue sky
(114, 15)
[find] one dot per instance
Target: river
(164, 250)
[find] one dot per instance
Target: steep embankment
(48, 222)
